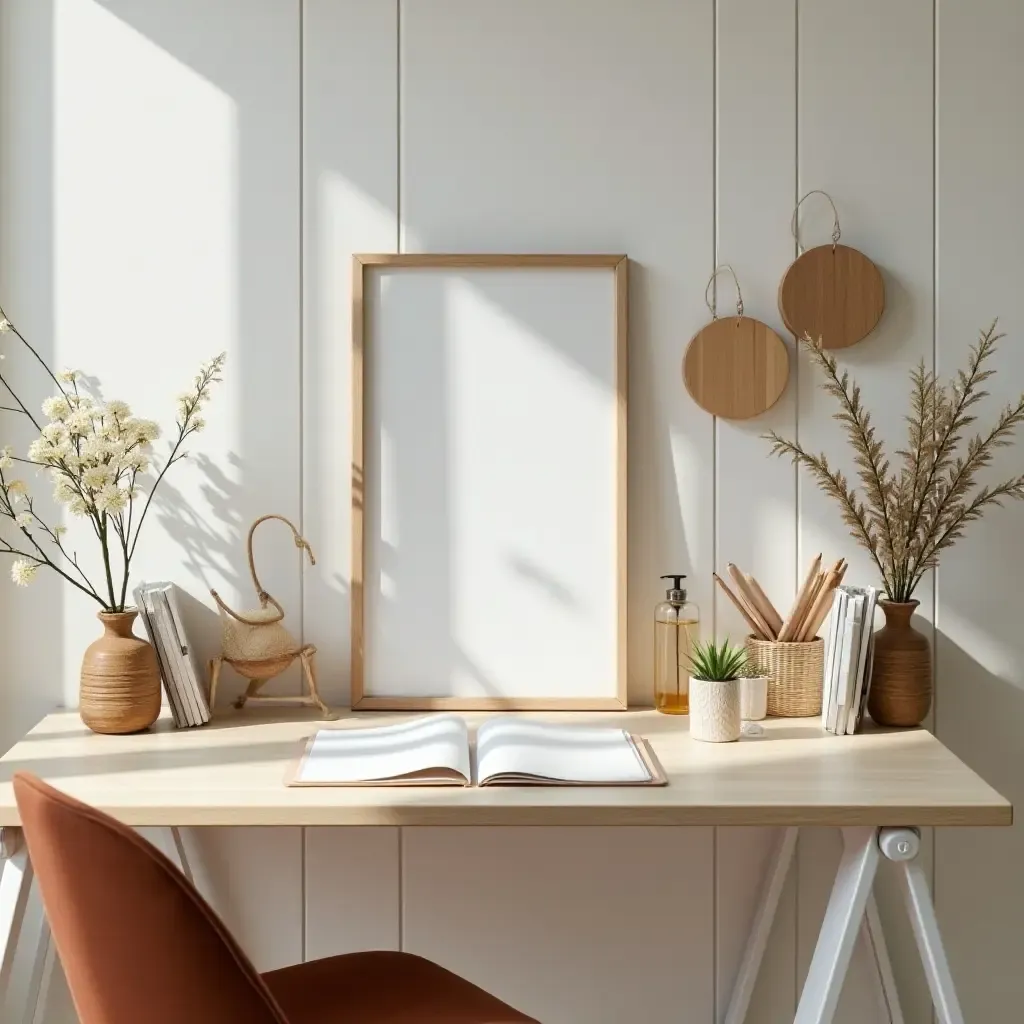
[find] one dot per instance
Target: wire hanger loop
(712, 303)
(795, 227)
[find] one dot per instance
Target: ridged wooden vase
(120, 690)
(901, 679)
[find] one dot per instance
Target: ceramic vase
(120, 686)
(715, 710)
(901, 676)
(754, 698)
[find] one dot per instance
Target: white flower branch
(95, 453)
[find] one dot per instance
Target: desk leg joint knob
(899, 844)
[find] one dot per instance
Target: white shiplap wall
(176, 179)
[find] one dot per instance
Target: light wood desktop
(877, 787)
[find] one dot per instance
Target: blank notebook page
(387, 752)
(564, 753)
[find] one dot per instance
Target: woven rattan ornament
(735, 367)
(256, 644)
(831, 292)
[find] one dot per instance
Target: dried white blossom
(55, 433)
(64, 492)
(24, 519)
(97, 477)
(137, 461)
(112, 499)
(56, 408)
(68, 376)
(80, 422)
(40, 450)
(95, 448)
(24, 572)
(198, 423)
(118, 410)
(6, 457)
(145, 430)
(16, 491)
(5, 325)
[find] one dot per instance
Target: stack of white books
(849, 649)
(161, 615)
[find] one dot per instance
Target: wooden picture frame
(610, 386)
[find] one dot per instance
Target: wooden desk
(231, 772)
(877, 787)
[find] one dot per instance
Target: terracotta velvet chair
(139, 945)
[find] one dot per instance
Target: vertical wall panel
(567, 125)
(352, 890)
(574, 126)
(756, 137)
(253, 879)
(756, 496)
(176, 237)
(568, 924)
(865, 136)
(33, 673)
(980, 710)
(350, 193)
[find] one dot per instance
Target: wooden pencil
(746, 595)
(741, 608)
(765, 606)
(819, 610)
(788, 631)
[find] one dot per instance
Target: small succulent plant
(717, 661)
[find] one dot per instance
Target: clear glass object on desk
(676, 630)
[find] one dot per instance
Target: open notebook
(437, 750)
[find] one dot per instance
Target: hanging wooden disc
(834, 293)
(736, 367)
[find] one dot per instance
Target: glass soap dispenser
(676, 625)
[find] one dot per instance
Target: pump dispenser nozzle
(676, 593)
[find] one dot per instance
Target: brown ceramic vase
(120, 689)
(901, 676)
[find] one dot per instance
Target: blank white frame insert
(489, 482)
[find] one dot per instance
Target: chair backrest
(137, 942)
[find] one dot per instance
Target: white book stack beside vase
(160, 612)
(848, 659)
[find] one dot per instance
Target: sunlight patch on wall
(341, 212)
(146, 263)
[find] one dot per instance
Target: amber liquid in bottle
(674, 638)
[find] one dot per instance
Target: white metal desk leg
(178, 854)
(42, 994)
(843, 917)
(888, 996)
(753, 954)
(15, 883)
(902, 845)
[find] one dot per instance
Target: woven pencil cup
(794, 671)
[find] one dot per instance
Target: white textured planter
(715, 710)
(754, 698)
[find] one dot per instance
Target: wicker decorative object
(257, 645)
(794, 671)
